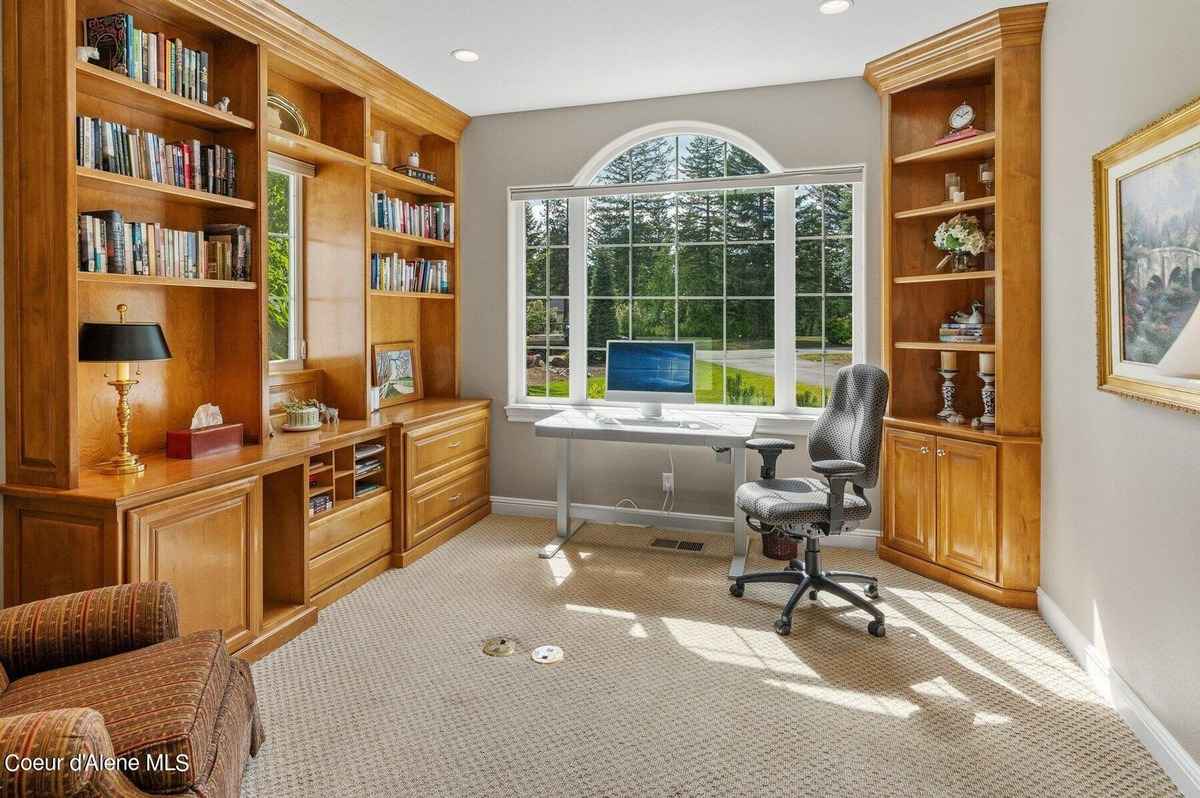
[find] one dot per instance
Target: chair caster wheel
(812, 595)
(736, 589)
(876, 628)
(872, 590)
(783, 626)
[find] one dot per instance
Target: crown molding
(291, 37)
(964, 45)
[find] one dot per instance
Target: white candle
(958, 196)
(987, 363)
(987, 177)
(122, 371)
(949, 361)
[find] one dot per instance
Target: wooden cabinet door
(910, 509)
(205, 544)
(966, 500)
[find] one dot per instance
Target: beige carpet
(671, 687)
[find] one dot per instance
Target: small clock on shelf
(962, 125)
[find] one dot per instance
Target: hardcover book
(108, 35)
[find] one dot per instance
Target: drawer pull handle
(455, 497)
(924, 450)
(941, 452)
(454, 445)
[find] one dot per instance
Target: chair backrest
(851, 426)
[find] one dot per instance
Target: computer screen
(665, 367)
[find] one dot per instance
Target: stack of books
(434, 220)
(394, 273)
(366, 466)
(109, 244)
(149, 58)
(320, 504)
(117, 148)
(424, 175)
(959, 333)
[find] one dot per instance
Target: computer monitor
(651, 372)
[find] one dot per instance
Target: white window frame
(297, 170)
(530, 408)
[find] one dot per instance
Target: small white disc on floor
(547, 655)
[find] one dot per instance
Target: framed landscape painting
(1147, 204)
(396, 370)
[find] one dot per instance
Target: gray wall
(812, 124)
(1121, 509)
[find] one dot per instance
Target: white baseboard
(1177, 762)
(659, 519)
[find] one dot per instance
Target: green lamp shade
(130, 342)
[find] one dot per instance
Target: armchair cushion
(78, 627)
(158, 702)
(838, 468)
(781, 502)
(53, 734)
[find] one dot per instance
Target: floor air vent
(664, 543)
(690, 545)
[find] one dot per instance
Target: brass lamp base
(125, 462)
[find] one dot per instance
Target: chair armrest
(839, 468)
(761, 444)
(31, 742)
(79, 627)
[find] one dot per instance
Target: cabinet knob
(941, 452)
(454, 445)
(924, 450)
(455, 497)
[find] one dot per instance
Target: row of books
(320, 504)
(117, 148)
(394, 273)
(958, 333)
(366, 466)
(433, 220)
(109, 244)
(147, 57)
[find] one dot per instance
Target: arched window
(672, 233)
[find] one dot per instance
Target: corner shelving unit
(961, 503)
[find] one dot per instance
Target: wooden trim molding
(969, 43)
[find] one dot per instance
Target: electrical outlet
(668, 482)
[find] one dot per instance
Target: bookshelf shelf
(948, 208)
(381, 239)
(412, 294)
(183, 282)
(282, 142)
(980, 146)
(318, 469)
(318, 491)
(109, 181)
(107, 85)
(936, 426)
(953, 277)
(384, 178)
(940, 346)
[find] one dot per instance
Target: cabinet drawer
(349, 557)
(432, 508)
(326, 532)
(439, 449)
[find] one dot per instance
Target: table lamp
(1183, 358)
(122, 343)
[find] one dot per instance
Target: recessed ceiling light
(466, 56)
(834, 6)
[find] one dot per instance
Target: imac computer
(651, 372)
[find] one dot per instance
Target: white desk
(681, 428)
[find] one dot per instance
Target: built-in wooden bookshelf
(961, 503)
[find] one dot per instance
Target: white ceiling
(555, 53)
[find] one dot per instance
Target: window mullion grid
(577, 298)
(785, 288)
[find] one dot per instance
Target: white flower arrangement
(962, 235)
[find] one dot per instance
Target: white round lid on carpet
(547, 655)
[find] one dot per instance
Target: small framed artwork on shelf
(396, 372)
(1147, 192)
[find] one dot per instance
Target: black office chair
(844, 448)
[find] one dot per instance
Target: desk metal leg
(741, 533)
(563, 523)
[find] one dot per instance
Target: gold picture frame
(1136, 321)
(396, 372)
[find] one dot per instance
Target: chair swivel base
(809, 578)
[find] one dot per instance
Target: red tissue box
(186, 444)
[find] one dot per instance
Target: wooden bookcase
(962, 504)
(60, 412)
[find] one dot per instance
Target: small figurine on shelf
(414, 159)
(975, 316)
(962, 237)
(222, 105)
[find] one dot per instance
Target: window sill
(769, 422)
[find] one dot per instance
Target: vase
(964, 262)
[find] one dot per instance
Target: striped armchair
(100, 696)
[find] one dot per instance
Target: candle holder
(988, 419)
(949, 391)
